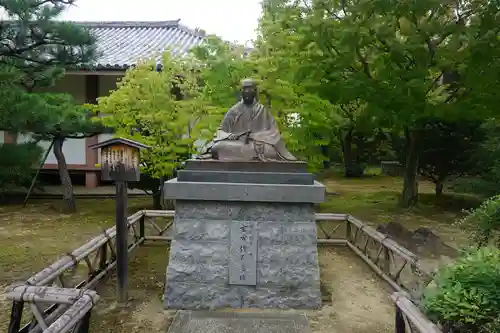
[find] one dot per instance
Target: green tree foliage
(483, 223)
(295, 75)
(34, 51)
(359, 138)
(396, 57)
(163, 109)
(448, 149)
(487, 183)
(289, 36)
(16, 165)
(465, 296)
(222, 66)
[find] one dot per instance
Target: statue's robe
(259, 137)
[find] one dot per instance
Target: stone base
(287, 257)
(281, 262)
(297, 178)
(240, 192)
(231, 322)
(250, 166)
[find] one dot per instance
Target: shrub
(483, 223)
(492, 327)
(18, 165)
(484, 186)
(466, 296)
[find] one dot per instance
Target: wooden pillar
(9, 137)
(91, 159)
(121, 242)
(85, 323)
(15, 317)
(399, 321)
(120, 163)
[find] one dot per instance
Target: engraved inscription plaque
(243, 257)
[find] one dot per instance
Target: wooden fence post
(121, 242)
(121, 164)
(142, 231)
(16, 315)
(103, 256)
(85, 323)
(399, 321)
(387, 261)
(347, 230)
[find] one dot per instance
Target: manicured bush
(483, 223)
(466, 295)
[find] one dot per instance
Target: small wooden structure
(120, 159)
(120, 163)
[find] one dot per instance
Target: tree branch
(434, 83)
(81, 136)
(364, 63)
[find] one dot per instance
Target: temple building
(120, 45)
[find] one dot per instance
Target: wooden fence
(59, 298)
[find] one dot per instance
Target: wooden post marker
(120, 163)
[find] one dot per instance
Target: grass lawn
(33, 237)
(374, 199)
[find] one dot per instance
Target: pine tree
(35, 49)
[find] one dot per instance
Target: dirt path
(360, 301)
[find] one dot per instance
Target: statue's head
(248, 91)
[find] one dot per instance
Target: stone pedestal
(244, 236)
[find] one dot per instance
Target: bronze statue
(248, 132)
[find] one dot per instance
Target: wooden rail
(409, 318)
(394, 263)
(74, 303)
(66, 285)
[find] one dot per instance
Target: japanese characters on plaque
(113, 156)
(243, 253)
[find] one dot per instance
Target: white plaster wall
(101, 138)
(73, 149)
(107, 83)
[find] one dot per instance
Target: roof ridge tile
(129, 24)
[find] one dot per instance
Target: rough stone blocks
(287, 270)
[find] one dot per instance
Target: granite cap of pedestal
(246, 166)
(296, 178)
(249, 192)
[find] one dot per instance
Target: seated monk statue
(248, 132)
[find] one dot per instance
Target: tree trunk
(326, 161)
(409, 196)
(439, 187)
(351, 166)
(157, 200)
(69, 204)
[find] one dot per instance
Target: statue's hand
(233, 137)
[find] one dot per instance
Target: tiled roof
(122, 44)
